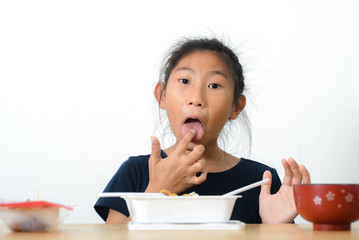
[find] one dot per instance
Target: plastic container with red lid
(33, 216)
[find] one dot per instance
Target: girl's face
(199, 95)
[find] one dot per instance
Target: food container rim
(182, 197)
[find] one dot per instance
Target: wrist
(152, 189)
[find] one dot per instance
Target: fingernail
(193, 131)
(153, 140)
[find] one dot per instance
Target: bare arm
(117, 217)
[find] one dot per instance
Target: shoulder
(252, 163)
(253, 169)
(131, 168)
(254, 166)
(135, 162)
(247, 169)
(139, 161)
(136, 165)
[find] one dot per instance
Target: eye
(184, 81)
(214, 85)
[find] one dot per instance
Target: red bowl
(328, 206)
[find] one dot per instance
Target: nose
(195, 103)
(196, 98)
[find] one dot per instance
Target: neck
(213, 154)
(217, 160)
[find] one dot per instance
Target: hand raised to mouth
(193, 124)
(178, 171)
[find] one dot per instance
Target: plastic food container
(33, 216)
(180, 209)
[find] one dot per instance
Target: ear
(160, 92)
(238, 106)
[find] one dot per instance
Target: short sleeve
(124, 180)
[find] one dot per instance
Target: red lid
(30, 204)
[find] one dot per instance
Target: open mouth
(196, 124)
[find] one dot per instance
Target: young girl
(201, 90)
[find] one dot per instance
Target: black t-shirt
(133, 176)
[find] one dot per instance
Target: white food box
(180, 209)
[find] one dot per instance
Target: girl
(201, 90)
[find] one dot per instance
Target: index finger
(182, 145)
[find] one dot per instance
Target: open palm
(280, 207)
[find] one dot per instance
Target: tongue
(196, 125)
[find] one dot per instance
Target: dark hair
(189, 45)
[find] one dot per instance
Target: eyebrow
(184, 69)
(220, 73)
(211, 73)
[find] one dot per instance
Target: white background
(76, 81)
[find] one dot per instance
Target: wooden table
(121, 232)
